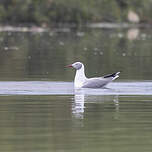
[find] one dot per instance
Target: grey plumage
(99, 82)
(81, 81)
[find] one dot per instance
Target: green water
(48, 123)
(37, 114)
(37, 56)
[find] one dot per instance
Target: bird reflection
(78, 105)
(81, 98)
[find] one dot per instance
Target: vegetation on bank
(47, 12)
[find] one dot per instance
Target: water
(62, 123)
(67, 88)
(41, 111)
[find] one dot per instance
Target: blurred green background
(49, 12)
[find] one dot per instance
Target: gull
(81, 81)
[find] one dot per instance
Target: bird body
(81, 81)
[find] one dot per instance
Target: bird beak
(69, 66)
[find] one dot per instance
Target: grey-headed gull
(81, 81)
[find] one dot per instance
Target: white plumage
(81, 81)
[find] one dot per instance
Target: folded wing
(100, 82)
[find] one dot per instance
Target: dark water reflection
(44, 55)
(52, 116)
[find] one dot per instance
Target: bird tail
(114, 75)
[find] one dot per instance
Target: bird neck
(80, 77)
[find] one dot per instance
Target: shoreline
(66, 27)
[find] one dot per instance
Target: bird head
(76, 65)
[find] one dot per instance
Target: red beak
(69, 66)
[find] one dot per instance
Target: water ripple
(67, 88)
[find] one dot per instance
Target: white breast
(80, 78)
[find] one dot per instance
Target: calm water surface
(41, 112)
(74, 123)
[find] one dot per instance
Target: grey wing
(96, 82)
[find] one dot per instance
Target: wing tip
(116, 75)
